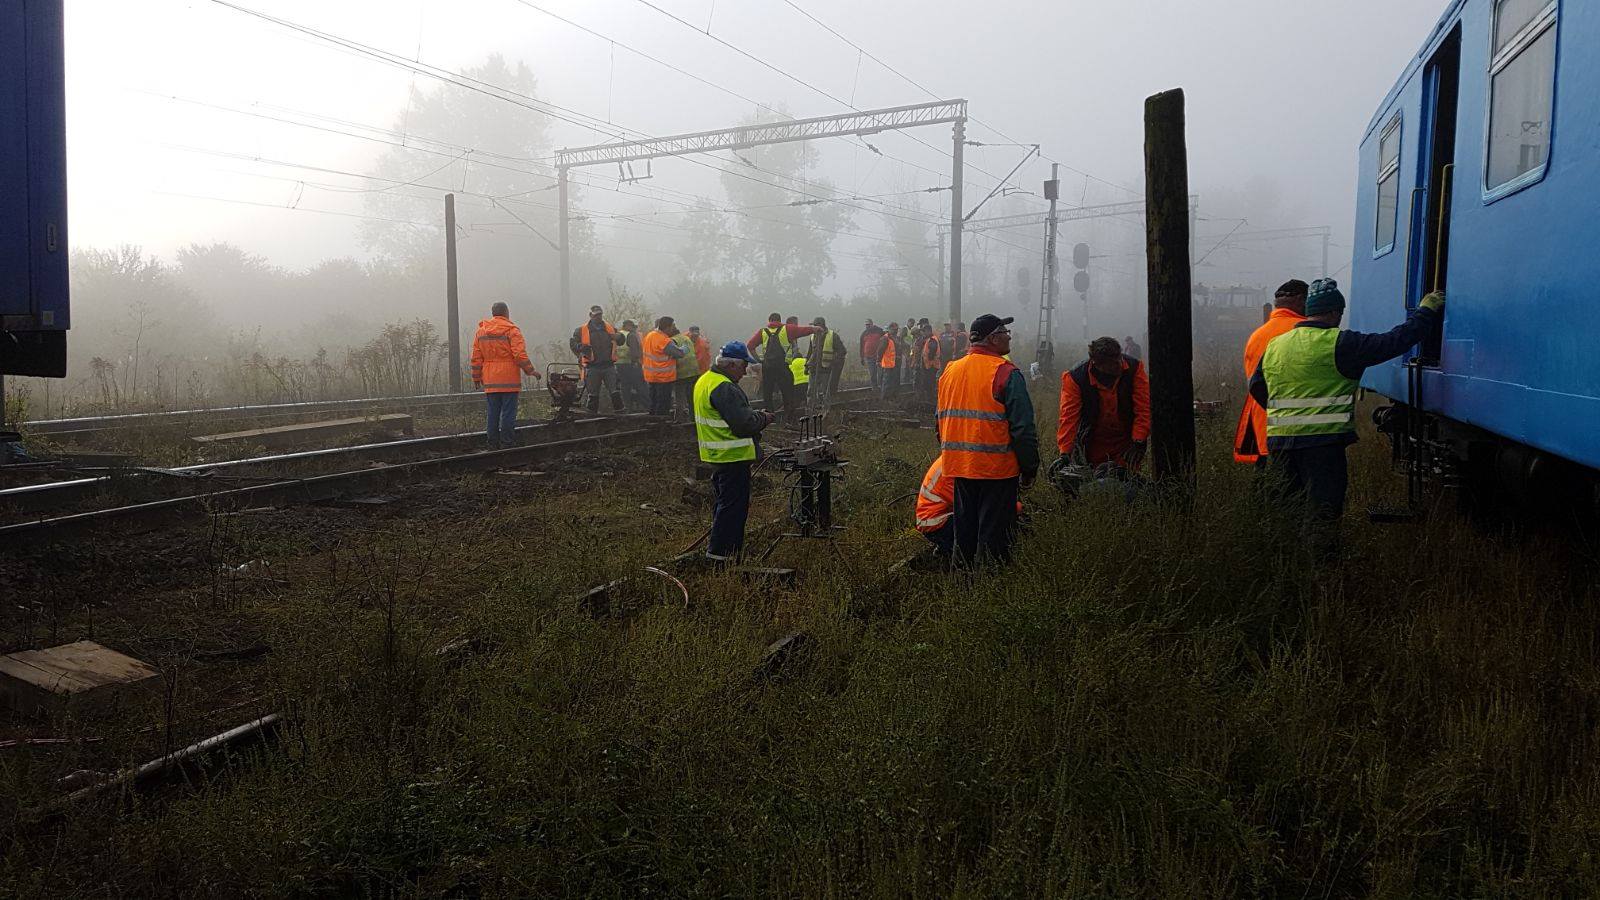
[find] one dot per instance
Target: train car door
(1431, 266)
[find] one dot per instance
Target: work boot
(616, 401)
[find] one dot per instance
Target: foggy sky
(1279, 93)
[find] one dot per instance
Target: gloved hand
(477, 385)
(1434, 301)
(1135, 454)
(535, 376)
(1027, 479)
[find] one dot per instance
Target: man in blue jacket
(1307, 381)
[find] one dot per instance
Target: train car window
(1521, 94)
(1388, 186)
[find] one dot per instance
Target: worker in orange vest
(929, 375)
(936, 503)
(889, 362)
(661, 365)
(499, 360)
(1289, 309)
(595, 344)
(988, 441)
(702, 349)
(1105, 408)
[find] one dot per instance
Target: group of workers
(1297, 421)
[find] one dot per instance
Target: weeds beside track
(1149, 703)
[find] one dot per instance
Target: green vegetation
(1148, 704)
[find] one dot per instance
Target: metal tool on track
(564, 381)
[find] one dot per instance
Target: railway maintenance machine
(33, 192)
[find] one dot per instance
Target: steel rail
(52, 426)
(326, 486)
(34, 497)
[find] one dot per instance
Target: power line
(791, 76)
(914, 83)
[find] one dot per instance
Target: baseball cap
(986, 324)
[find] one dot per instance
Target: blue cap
(1324, 297)
(735, 350)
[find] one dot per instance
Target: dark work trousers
(601, 379)
(684, 389)
(874, 374)
(778, 382)
(730, 491)
(942, 538)
(661, 398)
(889, 383)
(1318, 476)
(630, 377)
(502, 419)
(985, 519)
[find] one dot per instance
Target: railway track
(87, 429)
(398, 462)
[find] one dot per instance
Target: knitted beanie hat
(1324, 297)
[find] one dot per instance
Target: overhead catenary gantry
(863, 122)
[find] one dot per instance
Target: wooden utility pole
(1167, 236)
(452, 299)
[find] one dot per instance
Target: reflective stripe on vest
(934, 509)
(718, 443)
(658, 366)
(1306, 393)
(974, 432)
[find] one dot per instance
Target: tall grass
(1150, 702)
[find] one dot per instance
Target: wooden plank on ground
(41, 680)
(285, 435)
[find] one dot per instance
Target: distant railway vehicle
(33, 190)
(1479, 175)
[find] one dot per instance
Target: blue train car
(1480, 175)
(34, 315)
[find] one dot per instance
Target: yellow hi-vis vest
(687, 366)
(1306, 393)
(797, 368)
(718, 443)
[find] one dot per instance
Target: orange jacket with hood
(499, 356)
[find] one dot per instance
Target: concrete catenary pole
(1167, 236)
(1052, 268)
(452, 299)
(957, 219)
(565, 252)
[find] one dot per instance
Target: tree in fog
(493, 154)
(775, 241)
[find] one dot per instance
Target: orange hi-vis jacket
(1250, 438)
(930, 353)
(659, 368)
(936, 499)
(499, 356)
(702, 354)
(601, 350)
(1108, 422)
(974, 433)
(886, 360)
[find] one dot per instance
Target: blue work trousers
(730, 492)
(502, 419)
